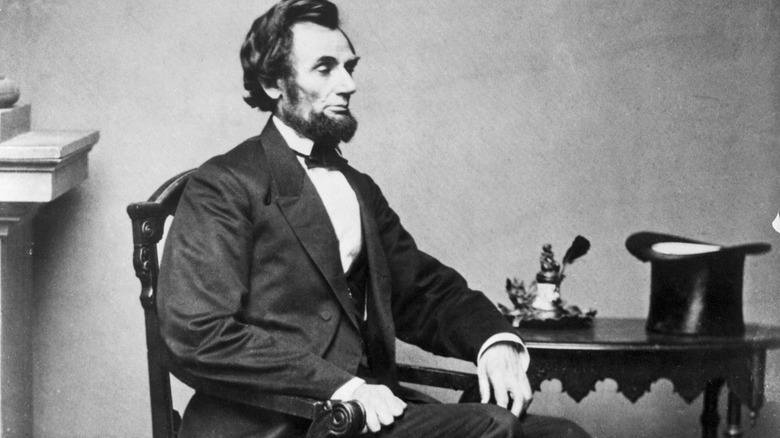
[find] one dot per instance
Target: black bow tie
(324, 154)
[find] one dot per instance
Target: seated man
(286, 271)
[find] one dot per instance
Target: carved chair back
(148, 221)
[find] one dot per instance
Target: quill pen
(578, 248)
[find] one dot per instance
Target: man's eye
(323, 69)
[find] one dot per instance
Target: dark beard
(320, 127)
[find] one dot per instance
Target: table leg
(709, 416)
(733, 426)
(757, 377)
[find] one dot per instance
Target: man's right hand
(381, 405)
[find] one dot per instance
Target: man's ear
(273, 90)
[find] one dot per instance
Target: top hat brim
(641, 246)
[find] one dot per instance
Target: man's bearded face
(298, 112)
(315, 99)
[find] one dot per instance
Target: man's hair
(265, 54)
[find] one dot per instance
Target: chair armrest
(348, 418)
(329, 417)
(437, 377)
(338, 418)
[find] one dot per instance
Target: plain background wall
(493, 128)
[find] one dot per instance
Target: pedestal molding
(39, 166)
(46, 146)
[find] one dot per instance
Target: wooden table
(621, 349)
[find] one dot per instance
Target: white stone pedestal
(35, 167)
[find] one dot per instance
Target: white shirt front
(340, 200)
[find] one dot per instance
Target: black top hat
(695, 287)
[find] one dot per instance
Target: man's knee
(499, 422)
(538, 426)
(569, 429)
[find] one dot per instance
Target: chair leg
(709, 416)
(734, 415)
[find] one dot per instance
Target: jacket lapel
(303, 208)
(380, 330)
(380, 274)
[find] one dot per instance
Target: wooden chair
(329, 418)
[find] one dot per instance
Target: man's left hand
(500, 369)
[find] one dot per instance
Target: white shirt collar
(294, 141)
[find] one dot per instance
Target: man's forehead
(312, 42)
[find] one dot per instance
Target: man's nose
(345, 85)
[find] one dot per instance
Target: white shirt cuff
(525, 358)
(346, 390)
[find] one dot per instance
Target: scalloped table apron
(622, 350)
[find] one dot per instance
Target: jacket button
(325, 315)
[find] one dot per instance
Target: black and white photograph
(443, 219)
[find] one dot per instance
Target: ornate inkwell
(540, 305)
(548, 281)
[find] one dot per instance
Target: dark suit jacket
(253, 296)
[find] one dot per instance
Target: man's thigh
(213, 417)
(468, 420)
(476, 420)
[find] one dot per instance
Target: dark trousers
(475, 420)
(211, 417)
